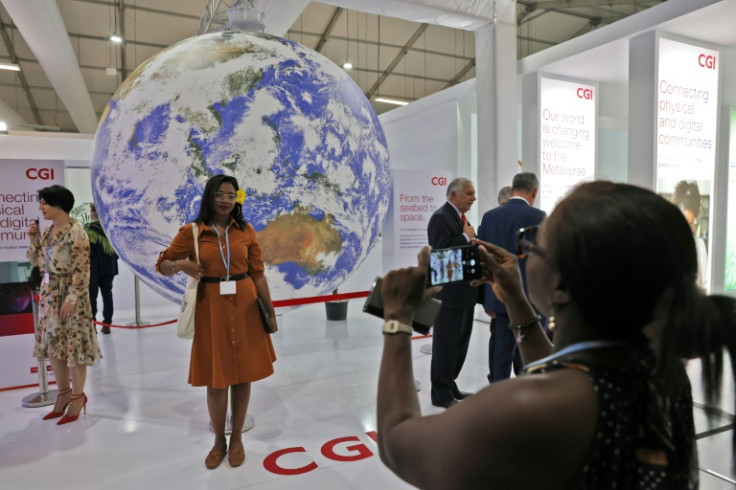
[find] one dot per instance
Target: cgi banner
(567, 135)
(21, 180)
(687, 118)
(417, 194)
(19, 202)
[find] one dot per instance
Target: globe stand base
(39, 399)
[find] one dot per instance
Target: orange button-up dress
(230, 345)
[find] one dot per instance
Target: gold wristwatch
(393, 327)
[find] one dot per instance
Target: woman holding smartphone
(609, 405)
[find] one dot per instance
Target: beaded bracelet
(519, 330)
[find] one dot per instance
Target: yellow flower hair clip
(240, 197)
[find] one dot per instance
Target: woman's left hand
(274, 324)
(66, 310)
(404, 290)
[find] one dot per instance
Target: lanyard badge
(227, 286)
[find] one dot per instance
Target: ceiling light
(3, 128)
(113, 72)
(116, 39)
(9, 66)
(347, 65)
(391, 101)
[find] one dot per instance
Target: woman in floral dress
(65, 334)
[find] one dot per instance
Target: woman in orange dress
(231, 348)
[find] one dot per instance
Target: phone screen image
(454, 264)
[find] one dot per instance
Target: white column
(642, 98)
(495, 71)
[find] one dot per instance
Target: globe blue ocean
(292, 127)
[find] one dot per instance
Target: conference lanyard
(580, 346)
(226, 263)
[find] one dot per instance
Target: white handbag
(185, 327)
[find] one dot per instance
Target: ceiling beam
(10, 117)
(397, 59)
(328, 30)
(79, 35)
(23, 82)
(564, 9)
(461, 74)
(537, 14)
(574, 4)
(588, 26)
(43, 30)
(403, 75)
(356, 40)
(133, 6)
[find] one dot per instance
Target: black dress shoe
(445, 404)
(461, 395)
(105, 329)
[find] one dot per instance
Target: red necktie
(465, 220)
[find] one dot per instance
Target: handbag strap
(195, 233)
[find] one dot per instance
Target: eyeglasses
(526, 243)
(225, 196)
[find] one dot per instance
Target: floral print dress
(64, 260)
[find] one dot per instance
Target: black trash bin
(337, 310)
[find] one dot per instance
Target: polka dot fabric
(628, 428)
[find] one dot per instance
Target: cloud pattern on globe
(292, 127)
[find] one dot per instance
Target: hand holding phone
(424, 316)
(454, 264)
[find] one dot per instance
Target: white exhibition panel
(687, 112)
(567, 137)
(22, 179)
(18, 208)
(686, 107)
(417, 194)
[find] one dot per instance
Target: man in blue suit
(500, 226)
(449, 227)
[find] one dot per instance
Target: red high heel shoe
(54, 414)
(71, 418)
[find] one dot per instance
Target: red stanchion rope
(276, 304)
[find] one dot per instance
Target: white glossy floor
(146, 428)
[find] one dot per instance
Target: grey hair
(504, 195)
(525, 181)
(458, 184)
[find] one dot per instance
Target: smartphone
(423, 318)
(454, 264)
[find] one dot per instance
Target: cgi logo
(439, 181)
(707, 61)
(40, 173)
(585, 93)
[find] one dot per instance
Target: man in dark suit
(500, 226)
(103, 267)
(449, 227)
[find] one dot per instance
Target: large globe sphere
(292, 127)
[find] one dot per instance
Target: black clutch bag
(265, 317)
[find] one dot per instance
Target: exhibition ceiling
(393, 58)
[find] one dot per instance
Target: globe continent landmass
(293, 128)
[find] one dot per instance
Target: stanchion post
(249, 423)
(44, 397)
(138, 322)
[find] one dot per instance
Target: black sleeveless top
(643, 441)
